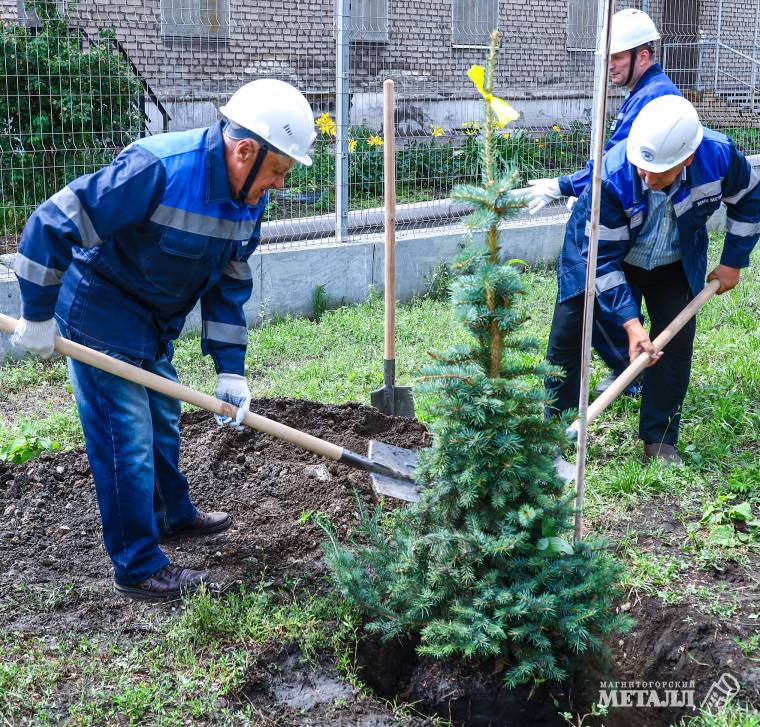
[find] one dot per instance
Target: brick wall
(294, 40)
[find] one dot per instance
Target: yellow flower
(326, 125)
(374, 140)
(506, 135)
(541, 146)
(504, 112)
(352, 146)
(555, 128)
(436, 131)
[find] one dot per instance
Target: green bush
(69, 104)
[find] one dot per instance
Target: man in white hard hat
(659, 187)
(117, 259)
(631, 66)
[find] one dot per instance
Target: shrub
(69, 104)
(425, 168)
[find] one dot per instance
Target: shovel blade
(403, 402)
(380, 399)
(394, 401)
(399, 459)
(565, 469)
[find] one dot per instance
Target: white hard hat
(630, 29)
(276, 112)
(666, 132)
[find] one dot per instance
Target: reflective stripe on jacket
(719, 172)
(123, 255)
(653, 83)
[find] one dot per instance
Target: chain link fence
(83, 81)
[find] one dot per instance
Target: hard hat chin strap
(631, 65)
(234, 131)
(262, 152)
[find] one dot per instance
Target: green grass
(189, 670)
(340, 358)
(195, 660)
(730, 716)
(650, 573)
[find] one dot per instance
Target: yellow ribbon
(504, 112)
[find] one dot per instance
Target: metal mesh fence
(81, 82)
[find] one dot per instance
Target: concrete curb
(285, 277)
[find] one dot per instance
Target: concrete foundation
(285, 277)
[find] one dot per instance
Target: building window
(581, 24)
(195, 19)
(369, 20)
(473, 21)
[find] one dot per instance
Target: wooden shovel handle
(641, 361)
(389, 163)
(184, 393)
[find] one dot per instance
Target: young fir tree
(483, 565)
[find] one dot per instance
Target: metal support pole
(700, 52)
(342, 102)
(753, 80)
(599, 64)
(718, 32)
(590, 294)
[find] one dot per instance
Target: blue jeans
(132, 438)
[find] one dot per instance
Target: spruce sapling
(483, 565)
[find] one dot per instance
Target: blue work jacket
(718, 172)
(653, 83)
(122, 256)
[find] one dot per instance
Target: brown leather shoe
(667, 454)
(172, 581)
(204, 523)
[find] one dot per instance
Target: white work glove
(541, 193)
(570, 203)
(37, 337)
(233, 389)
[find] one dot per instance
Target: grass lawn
(339, 359)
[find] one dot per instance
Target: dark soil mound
(50, 528)
(50, 534)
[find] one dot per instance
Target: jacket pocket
(184, 244)
(178, 264)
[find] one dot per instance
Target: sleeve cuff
(225, 365)
(733, 258)
(37, 314)
(566, 187)
(626, 313)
